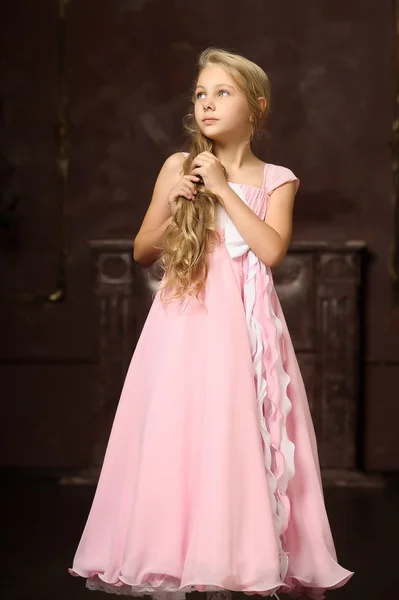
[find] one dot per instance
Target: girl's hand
(185, 187)
(207, 166)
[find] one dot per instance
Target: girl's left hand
(207, 166)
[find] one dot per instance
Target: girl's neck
(234, 157)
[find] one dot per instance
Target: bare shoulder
(170, 173)
(159, 210)
(173, 165)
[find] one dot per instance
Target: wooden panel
(338, 356)
(295, 285)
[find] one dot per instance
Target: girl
(211, 478)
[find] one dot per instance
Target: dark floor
(43, 522)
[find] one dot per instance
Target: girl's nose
(208, 105)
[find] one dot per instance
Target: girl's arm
(268, 239)
(158, 215)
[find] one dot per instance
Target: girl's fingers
(192, 177)
(186, 191)
(191, 186)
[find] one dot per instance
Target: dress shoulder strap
(276, 175)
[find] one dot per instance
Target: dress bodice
(254, 197)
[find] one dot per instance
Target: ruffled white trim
(277, 447)
(171, 592)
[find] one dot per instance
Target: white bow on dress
(235, 244)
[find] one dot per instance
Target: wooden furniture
(319, 289)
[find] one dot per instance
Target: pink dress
(211, 477)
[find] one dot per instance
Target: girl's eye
(199, 94)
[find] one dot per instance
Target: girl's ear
(263, 103)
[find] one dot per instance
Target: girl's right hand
(185, 187)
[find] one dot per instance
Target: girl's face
(221, 109)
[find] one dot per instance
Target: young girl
(211, 478)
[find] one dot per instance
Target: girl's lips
(210, 120)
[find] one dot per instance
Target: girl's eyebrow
(217, 85)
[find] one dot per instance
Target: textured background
(128, 69)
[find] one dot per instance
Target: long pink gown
(211, 477)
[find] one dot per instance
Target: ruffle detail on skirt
(271, 381)
(300, 587)
(161, 588)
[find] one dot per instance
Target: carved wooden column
(121, 306)
(338, 354)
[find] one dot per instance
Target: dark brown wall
(129, 66)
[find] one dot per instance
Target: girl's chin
(212, 133)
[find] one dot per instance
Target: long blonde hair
(191, 234)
